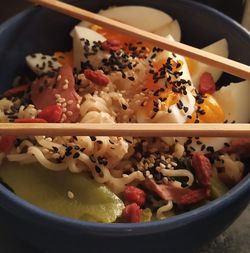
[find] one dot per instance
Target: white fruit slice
(80, 35)
(197, 68)
(172, 28)
(142, 17)
(234, 100)
(42, 64)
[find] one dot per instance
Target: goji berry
(207, 84)
(15, 91)
(131, 213)
(133, 194)
(7, 143)
(203, 168)
(193, 197)
(96, 77)
(51, 113)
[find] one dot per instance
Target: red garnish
(203, 169)
(193, 197)
(51, 113)
(239, 146)
(7, 143)
(111, 45)
(96, 77)
(133, 194)
(131, 213)
(28, 120)
(58, 88)
(207, 84)
(15, 91)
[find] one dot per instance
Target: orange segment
(213, 111)
(64, 57)
(171, 99)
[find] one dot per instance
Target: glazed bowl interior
(49, 32)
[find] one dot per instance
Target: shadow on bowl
(48, 32)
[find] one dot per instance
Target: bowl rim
(12, 203)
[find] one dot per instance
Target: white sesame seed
(59, 77)
(64, 109)
(174, 164)
(150, 176)
(71, 195)
(165, 180)
(66, 86)
(45, 150)
(69, 113)
(169, 166)
(57, 95)
(64, 104)
(124, 175)
(70, 102)
(162, 166)
(66, 81)
(78, 106)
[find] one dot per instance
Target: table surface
(234, 239)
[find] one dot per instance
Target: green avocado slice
(52, 191)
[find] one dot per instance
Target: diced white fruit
(172, 28)
(235, 102)
(216, 142)
(164, 116)
(80, 35)
(42, 64)
(145, 18)
(164, 55)
(197, 68)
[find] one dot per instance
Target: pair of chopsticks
(143, 130)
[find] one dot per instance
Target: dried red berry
(96, 77)
(202, 168)
(193, 197)
(133, 194)
(7, 143)
(131, 213)
(111, 45)
(17, 90)
(51, 113)
(207, 84)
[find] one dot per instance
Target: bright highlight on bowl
(111, 78)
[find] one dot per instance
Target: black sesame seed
(55, 149)
(97, 169)
(93, 138)
(76, 155)
(131, 78)
(124, 107)
(92, 158)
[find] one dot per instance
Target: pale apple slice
(197, 68)
(80, 35)
(145, 18)
(172, 28)
(234, 100)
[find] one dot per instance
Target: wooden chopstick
(126, 129)
(227, 65)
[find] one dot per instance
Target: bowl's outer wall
(27, 34)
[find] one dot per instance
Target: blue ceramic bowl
(38, 29)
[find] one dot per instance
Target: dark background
(233, 8)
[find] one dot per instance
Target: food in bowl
(110, 78)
